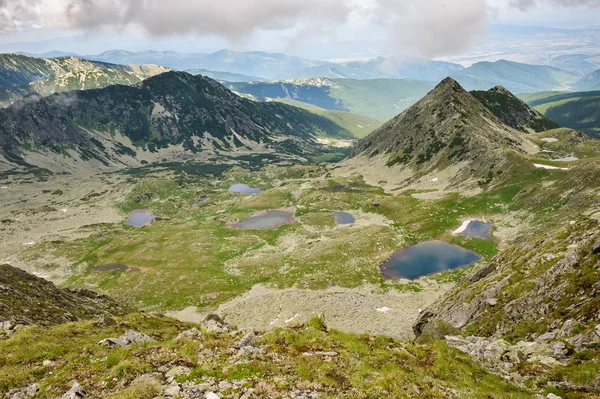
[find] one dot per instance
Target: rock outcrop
(27, 299)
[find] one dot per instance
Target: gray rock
(211, 395)
(49, 363)
(76, 391)
(172, 390)
(131, 337)
(304, 395)
(491, 301)
(177, 371)
(586, 340)
(188, 334)
(249, 350)
(248, 340)
(24, 393)
(552, 396)
(213, 323)
(596, 247)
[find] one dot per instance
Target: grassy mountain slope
(516, 77)
(27, 299)
(579, 110)
(299, 361)
(380, 99)
(512, 111)
(173, 108)
(447, 127)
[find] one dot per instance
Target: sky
(325, 29)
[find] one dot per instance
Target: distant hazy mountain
(579, 111)
(514, 76)
(381, 99)
(252, 63)
(225, 76)
(576, 63)
(380, 67)
(589, 82)
(64, 74)
(197, 115)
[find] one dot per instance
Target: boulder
(248, 340)
(213, 323)
(188, 334)
(596, 247)
(211, 395)
(131, 337)
(76, 391)
(588, 339)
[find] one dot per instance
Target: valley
(278, 239)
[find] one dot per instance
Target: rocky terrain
(448, 128)
(514, 112)
(29, 300)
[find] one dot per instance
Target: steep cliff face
(27, 299)
(547, 287)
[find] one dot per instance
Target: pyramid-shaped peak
(448, 86)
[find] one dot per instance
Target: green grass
(365, 367)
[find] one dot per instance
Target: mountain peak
(448, 126)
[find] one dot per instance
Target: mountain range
(194, 113)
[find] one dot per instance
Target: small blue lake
(139, 218)
(343, 218)
(269, 219)
(427, 258)
(114, 268)
(244, 189)
(477, 229)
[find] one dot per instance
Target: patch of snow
(29, 243)
(292, 318)
(4, 187)
(462, 227)
(435, 179)
(64, 210)
(570, 158)
(549, 140)
(384, 309)
(540, 166)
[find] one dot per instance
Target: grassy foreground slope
(299, 360)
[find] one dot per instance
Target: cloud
(433, 27)
(413, 27)
(524, 5)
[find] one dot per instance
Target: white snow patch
(435, 179)
(64, 210)
(384, 309)
(538, 165)
(549, 140)
(462, 227)
(4, 187)
(29, 243)
(292, 318)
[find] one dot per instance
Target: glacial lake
(244, 189)
(343, 218)
(426, 258)
(269, 219)
(477, 229)
(139, 218)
